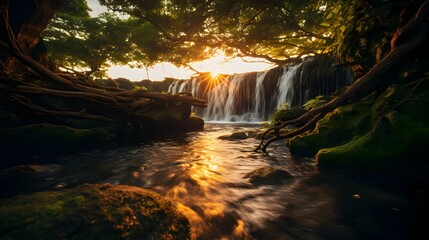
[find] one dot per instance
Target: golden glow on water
(194, 219)
(213, 209)
(203, 177)
(239, 231)
(203, 171)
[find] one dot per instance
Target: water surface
(203, 176)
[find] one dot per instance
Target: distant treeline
(152, 86)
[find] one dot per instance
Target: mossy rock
(92, 212)
(389, 132)
(288, 114)
(336, 128)
(49, 138)
(234, 136)
(398, 138)
(164, 114)
(267, 175)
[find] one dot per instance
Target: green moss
(49, 137)
(162, 112)
(285, 113)
(335, 129)
(392, 130)
(92, 212)
(402, 138)
(156, 111)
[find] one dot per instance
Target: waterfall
(252, 97)
(285, 85)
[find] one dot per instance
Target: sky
(216, 64)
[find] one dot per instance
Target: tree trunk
(23, 25)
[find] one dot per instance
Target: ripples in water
(203, 176)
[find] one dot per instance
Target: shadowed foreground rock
(92, 212)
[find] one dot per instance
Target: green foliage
(276, 115)
(284, 113)
(361, 33)
(77, 41)
(194, 115)
(192, 30)
(181, 32)
(314, 103)
(140, 88)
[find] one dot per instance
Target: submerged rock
(234, 136)
(30, 169)
(267, 175)
(92, 212)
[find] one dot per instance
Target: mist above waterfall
(252, 97)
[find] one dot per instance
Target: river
(203, 176)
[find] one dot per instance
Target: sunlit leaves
(274, 28)
(182, 31)
(77, 41)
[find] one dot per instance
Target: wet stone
(267, 175)
(234, 136)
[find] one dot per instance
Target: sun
(215, 73)
(213, 78)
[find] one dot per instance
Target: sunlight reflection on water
(203, 176)
(210, 189)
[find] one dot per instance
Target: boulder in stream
(235, 136)
(267, 175)
(92, 211)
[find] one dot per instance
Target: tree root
(418, 25)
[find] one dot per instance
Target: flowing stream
(203, 176)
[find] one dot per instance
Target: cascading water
(252, 97)
(285, 85)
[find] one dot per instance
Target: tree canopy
(77, 40)
(274, 30)
(178, 31)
